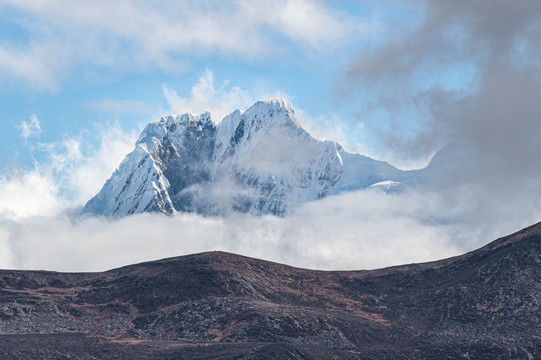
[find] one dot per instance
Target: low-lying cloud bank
(360, 230)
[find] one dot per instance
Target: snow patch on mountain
(259, 161)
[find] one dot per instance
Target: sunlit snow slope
(259, 161)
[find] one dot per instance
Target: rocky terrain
(259, 161)
(481, 305)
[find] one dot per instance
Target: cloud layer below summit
(361, 230)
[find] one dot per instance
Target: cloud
(88, 175)
(360, 230)
(29, 128)
(28, 194)
(120, 107)
(38, 64)
(122, 36)
(331, 127)
(318, 236)
(462, 70)
(221, 100)
(464, 74)
(205, 95)
(313, 24)
(73, 170)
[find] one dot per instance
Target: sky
(394, 80)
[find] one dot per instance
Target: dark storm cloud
(498, 107)
(492, 121)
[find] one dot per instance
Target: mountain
(485, 304)
(260, 161)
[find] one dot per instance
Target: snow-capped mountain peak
(173, 126)
(259, 160)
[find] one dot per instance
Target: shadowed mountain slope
(484, 304)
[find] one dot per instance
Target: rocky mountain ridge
(259, 161)
(485, 304)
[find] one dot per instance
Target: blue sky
(394, 79)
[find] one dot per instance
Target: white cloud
(29, 128)
(360, 230)
(73, 171)
(219, 100)
(317, 237)
(63, 155)
(38, 64)
(79, 169)
(28, 194)
(127, 36)
(120, 107)
(88, 175)
(331, 127)
(313, 24)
